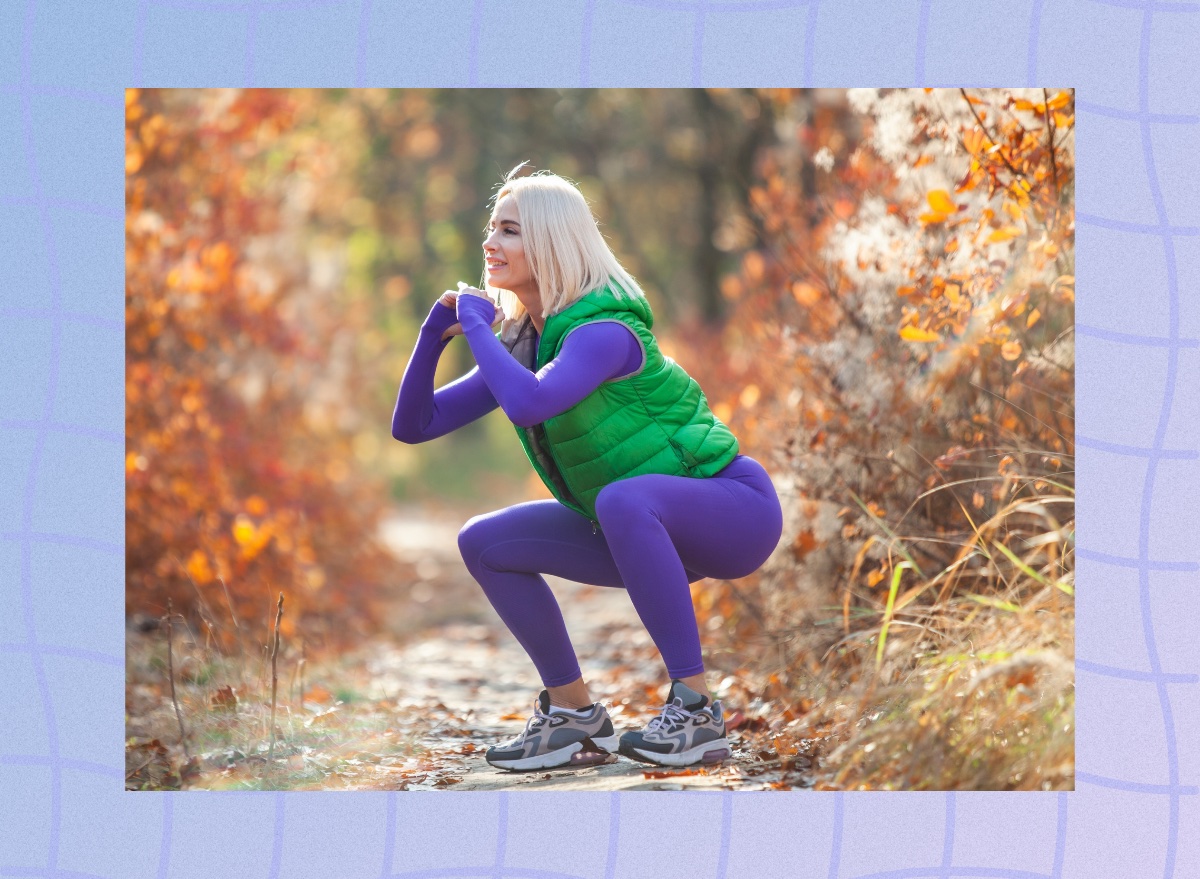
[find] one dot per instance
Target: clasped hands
(469, 302)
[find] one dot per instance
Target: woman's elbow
(407, 434)
(523, 416)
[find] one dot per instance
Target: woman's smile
(504, 252)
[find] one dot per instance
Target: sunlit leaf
(1005, 233)
(198, 568)
(916, 334)
(244, 531)
(940, 201)
(806, 294)
(974, 140)
(1059, 101)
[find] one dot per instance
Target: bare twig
(275, 674)
(1050, 126)
(303, 664)
(171, 677)
(229, 602)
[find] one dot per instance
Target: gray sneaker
(551, 740)
(688, 731)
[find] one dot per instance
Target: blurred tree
(238, 481)
(902, 347)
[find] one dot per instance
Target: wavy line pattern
(1070, 837)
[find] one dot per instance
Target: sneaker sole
(709, 752)
(564, 756)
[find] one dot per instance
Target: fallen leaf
(649, 773)
(946, 461)
(317, 694)
(224, 699)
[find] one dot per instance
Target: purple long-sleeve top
(591, 355)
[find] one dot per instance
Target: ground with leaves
(416, 712)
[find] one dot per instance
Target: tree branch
(1000, 153)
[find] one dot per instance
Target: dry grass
(950, 676)
(328, 724)
(970, 698)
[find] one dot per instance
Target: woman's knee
(473, 539)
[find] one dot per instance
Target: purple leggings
(658, 533)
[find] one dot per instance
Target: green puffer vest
(655, 420)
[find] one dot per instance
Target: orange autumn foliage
(232, 493)
(893, 353)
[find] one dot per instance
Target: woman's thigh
(539, 537)
(724, 526)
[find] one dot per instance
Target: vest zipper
(686, 459)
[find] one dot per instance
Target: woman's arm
(420, 413)
(590, 356)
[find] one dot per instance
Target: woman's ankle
(697, 683)
(572, 695)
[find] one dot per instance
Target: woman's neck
(533, 307)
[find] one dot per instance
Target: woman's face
(504, 253)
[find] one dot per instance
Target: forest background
(874, 288)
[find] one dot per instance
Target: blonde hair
(567, 255)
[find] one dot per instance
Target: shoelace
(671, 714)
(533, 723)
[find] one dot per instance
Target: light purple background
(63, 67)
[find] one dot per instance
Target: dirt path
(477, 686)
(477, 682)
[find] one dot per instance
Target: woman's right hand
(450, 300)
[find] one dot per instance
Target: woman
(650, 490)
